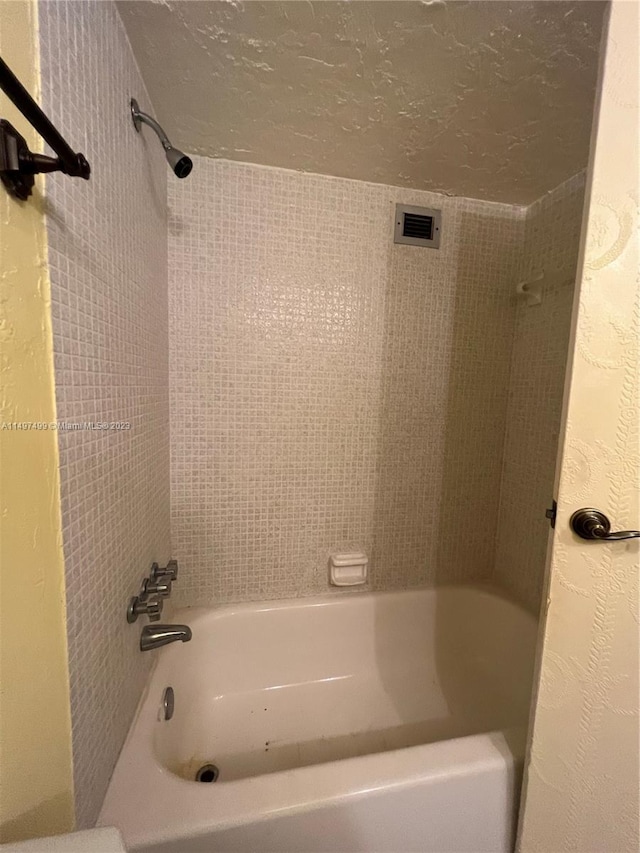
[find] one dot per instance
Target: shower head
(178, 160)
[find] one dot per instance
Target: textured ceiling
(484, 99)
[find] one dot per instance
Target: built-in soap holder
(348, 569)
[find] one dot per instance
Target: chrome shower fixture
(178, 160)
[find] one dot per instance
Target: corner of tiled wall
(330, 389)
(536, 387)
(108, 261)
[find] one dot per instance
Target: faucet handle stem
(170, 571)
(160, 587)
(149, 605)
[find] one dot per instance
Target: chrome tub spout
(154, 636)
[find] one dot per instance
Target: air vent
(417, 226)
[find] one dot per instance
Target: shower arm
(178, 160)
(140, 118)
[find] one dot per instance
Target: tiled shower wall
(330, 389)
(536, 385)
(108, 256)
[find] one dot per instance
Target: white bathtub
(360, 722)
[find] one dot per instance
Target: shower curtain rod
(18, 164)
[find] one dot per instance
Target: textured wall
(466, 99)
(109, 302)
(536, 386)
(582, 787)
(34, 697)
(329, 388)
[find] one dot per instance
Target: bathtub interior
(266, 688)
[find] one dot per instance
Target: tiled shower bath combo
(298, 387)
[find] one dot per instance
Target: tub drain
(207, 773)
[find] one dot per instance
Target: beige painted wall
(36, 789)
(581, 785)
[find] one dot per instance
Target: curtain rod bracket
(18, 164)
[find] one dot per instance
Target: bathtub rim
(186, 806)
(332, 596)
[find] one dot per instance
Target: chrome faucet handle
(148, 605)
(160, 587)
(170, 571)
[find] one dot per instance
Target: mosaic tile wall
(108, 251)
(536, 386)
(330, 389)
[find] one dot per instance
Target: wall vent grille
(417, 226)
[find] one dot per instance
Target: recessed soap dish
(349, 569)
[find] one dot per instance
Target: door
(581, 789)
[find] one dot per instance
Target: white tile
(330, 389)
(536, 385)
(108, 267)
